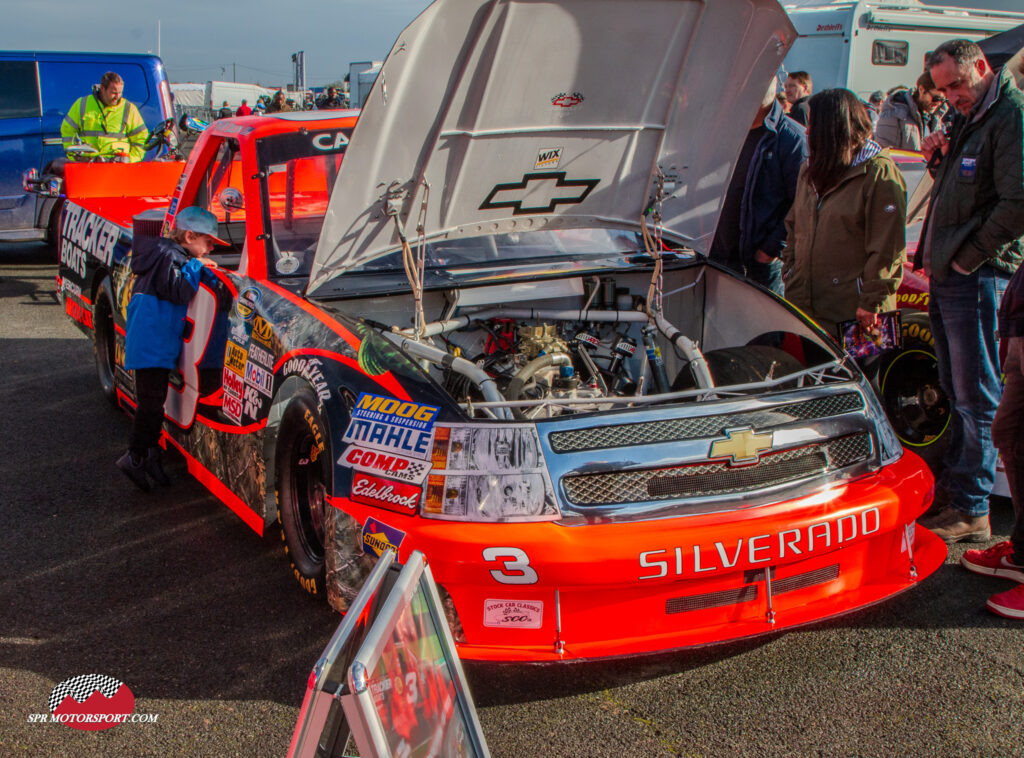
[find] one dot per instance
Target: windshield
(297, 174)
(508, 248)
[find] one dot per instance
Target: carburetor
(543, 338)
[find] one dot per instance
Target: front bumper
(641, 587)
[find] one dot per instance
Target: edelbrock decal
(385, 493)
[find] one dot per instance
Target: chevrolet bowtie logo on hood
(742, 445)
(547, 190)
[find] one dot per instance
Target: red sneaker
(996, 561)
(1009, 603)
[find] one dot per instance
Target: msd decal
(385, 493)
(378, 537)
(232, 406)
(387, 464)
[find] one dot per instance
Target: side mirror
(231, 199)
(30, 180)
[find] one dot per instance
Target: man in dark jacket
(331, 101)
(752, 228)
(909, 116)
(971, 245)
(167, 275)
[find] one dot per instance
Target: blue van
(38, 88)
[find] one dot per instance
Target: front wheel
(303, 474)
(914, 400)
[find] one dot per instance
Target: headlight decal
(489, 472)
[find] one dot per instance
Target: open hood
(502, 116)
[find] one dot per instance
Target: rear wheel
(741, 365)
(105, 339)
(53, 230)
(914, 400)
(302, 482)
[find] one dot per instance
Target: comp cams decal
(539, 193)
(390, 465)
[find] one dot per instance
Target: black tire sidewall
(105, 340)
(301, 419)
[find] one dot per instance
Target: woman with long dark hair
(846, 242)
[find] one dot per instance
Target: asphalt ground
(172, 594)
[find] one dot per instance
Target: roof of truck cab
(256, 127)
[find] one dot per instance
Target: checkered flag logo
(81, 687)
(415, 469)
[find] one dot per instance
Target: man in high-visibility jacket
(106, 121)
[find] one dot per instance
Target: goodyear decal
(248, 299)
(378, 537)
(235, 358)
(388, 410)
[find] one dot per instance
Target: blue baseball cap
(200, 221)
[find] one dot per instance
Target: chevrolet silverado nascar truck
(475, 321)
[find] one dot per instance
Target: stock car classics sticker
(259, 378)
(378, 537)
(513, 614)
(391, 425)
(385, 493)
(390, 465)
(261, 331)
(235, 358)
(248, 299)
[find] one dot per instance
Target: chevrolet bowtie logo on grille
(741, 445)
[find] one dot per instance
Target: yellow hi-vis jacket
(112, 131)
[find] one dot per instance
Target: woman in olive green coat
(846, 242)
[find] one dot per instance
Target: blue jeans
(768, 275)
(962, 311)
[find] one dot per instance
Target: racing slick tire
(914, 401)
(303, 473)
(53, 230)
(105, 339)
(741, 365)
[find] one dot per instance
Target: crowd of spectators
(816, 211)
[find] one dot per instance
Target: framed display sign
(403, 692)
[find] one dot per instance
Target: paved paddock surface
(199, 616)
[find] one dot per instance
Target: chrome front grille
(674, 430)
(717, 478)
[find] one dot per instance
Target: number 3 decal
(513, 560)
(180, 405)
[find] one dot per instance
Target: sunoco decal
(378, 537)
(386, 464)
(513, 614)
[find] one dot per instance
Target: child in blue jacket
(167, 274)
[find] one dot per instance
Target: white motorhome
(216, 93)
(867, 46)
